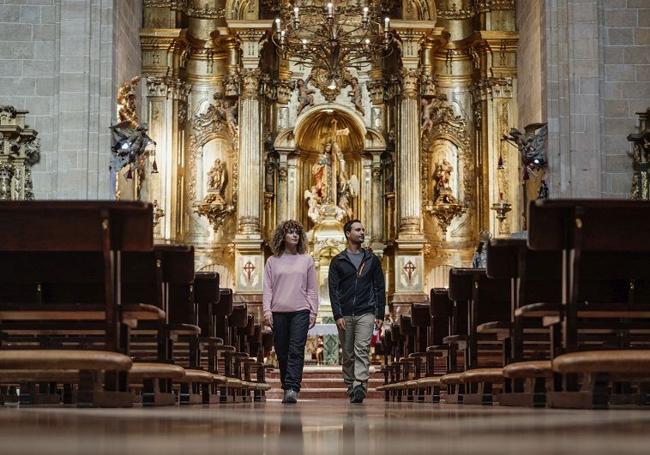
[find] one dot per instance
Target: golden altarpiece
(411, 143)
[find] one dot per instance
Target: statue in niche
(331, 184)
(442, 193)
(313, 204)
(214, 206)
(217, 179)
(305, 95)
(356, 95)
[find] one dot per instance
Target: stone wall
(59, 59)
(596, 61)
(529, 63)
(625, 86)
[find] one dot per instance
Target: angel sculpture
(305, 95)
(313, 203)
(129, 144)
(531, 145)
(348, 190)
(356, 95)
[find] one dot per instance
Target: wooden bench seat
(479, 385)
(157, 382)
(34, 365)
(195, 387)
(601, 373)
(527, 383)
(453, 388)
(130, 313)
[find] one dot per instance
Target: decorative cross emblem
(409, 268)
(249, 268)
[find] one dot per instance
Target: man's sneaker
(358, 395)
(290, 396)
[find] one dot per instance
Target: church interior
(496, 152)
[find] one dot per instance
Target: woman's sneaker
(290, 396)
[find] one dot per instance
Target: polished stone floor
(319, 427)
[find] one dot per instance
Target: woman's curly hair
(277, 242)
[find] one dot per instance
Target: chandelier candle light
(332, 38)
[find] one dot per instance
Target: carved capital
(376, 91)
(495, 5)
(250, 83)
(409, 87)
(283, 92)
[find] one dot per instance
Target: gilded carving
(126, 108)
(453, 12)
(214, 206)
(250, 83)
(376, 91)
(409, 83)
(495, 5)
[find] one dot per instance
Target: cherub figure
(356, 95)
(305, 95)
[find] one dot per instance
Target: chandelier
(333, 37)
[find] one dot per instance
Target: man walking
(357, 294)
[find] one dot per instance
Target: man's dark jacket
(353, 292)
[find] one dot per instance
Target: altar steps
(324, 382)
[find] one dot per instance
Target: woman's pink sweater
(290, 284)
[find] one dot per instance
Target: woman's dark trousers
(289, 339)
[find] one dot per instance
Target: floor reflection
(321, 427)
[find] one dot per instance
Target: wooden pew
(45, 229)
(603, 243)
(534, 277)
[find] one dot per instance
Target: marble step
(321, 393)
(323, 383)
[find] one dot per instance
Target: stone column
(410, 211)
(166, 114)
(409, 259)
(249, 258)
(282, 191)
(250, 155)
(377, 199)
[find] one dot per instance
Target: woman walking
(290, 302)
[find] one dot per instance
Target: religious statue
(126, 97)
(217, 179)
(129, 144)
(214, 206)
(442, 193)
(532, 147)
(221, 112)
(331, 185)
(305, 95)
(313, 204)
(356, 95)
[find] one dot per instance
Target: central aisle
(320, 427)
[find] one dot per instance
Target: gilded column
(249, 258)
(250, 155)
(377, 197)
(410, 213)
(409, 259)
